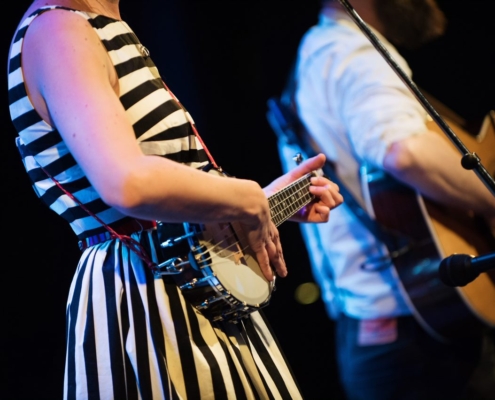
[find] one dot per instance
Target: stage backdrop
(223, 59)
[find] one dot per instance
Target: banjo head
(228, 259)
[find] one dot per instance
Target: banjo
(219, 274)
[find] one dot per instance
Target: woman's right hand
(264, 241)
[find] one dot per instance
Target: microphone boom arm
(469, 160)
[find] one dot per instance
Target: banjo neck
(289, 200)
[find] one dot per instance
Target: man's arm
(387, 127)
(430, 165)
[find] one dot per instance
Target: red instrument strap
(131, 243)
(193, 126)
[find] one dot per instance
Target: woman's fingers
(275, 253)
(327, 191)
(266, 245)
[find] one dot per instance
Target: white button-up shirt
(355, 106)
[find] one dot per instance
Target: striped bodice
(162, 128)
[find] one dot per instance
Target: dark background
(223, 59)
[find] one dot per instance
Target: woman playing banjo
(110, 149)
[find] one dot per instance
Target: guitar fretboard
(288, 201)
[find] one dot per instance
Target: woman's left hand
(326, 192)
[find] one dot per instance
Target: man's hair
(410, 23)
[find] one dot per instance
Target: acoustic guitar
(436, 233)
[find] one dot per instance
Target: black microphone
(460, 269)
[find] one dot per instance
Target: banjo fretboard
(288, 201)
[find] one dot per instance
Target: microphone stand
(469, 160)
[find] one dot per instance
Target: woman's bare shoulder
(60, 51)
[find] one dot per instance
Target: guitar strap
(284, 120)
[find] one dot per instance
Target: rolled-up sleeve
(374, 104)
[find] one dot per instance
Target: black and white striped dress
(130, 335)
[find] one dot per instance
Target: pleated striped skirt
(133, 336)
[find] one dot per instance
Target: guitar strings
(240, 236)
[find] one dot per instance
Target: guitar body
(445, 312)
(213, 264)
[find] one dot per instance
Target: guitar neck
(288, 201)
